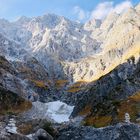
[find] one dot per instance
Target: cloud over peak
(81, 14)
(102, 10)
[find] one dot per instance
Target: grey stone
(41, 134)
(116, 132)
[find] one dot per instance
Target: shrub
(49, 128)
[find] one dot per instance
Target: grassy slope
(11, 103)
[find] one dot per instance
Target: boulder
(41, 134)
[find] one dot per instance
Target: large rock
(7, 136)
(10, 102)
(117, 132)
(41, 134)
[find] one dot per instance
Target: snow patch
(57, 111)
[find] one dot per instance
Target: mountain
(50, 35)
(20, 72)
(105, 101)
(93, 67)
(72, 47)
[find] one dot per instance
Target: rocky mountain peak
(23, 20)
(109, 21)
(92, 24)
(55, 38)
(138, 7)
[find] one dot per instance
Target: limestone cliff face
(20, 72)
(120, 40)
(74, 51)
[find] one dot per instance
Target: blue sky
(80, 10)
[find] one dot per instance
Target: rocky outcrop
(14, 137)
(119, 36)
(11, 103)
(116, 132)
(9, 135)
(103, 100)
(20, 72)
(42, 135)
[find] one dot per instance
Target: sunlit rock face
(120, 41)
(75, 51)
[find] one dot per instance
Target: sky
(78, 10)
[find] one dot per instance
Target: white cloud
(122, 6)
(81, 14)
(103, 9)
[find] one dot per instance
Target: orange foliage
(86, 110)
(135, 97)
(76, 87)
(73, 90)
(40, 84)
(99, 121)
(26, 105)
(77, 84)
(25, 129)
(131, 106)
(16, 109)
(60, 83)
